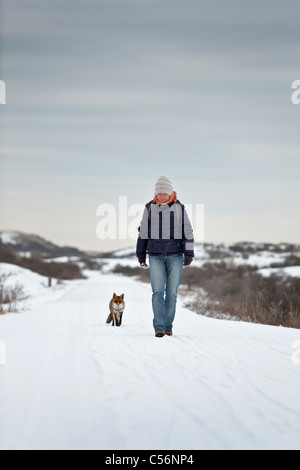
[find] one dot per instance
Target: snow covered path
(73, 382)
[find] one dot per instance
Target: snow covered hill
(268, 258)
(72, 382)
(25, 244)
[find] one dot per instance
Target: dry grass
(241, 292)
(237, 292)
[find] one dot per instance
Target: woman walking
(167, 236)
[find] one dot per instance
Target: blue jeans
(166, 275)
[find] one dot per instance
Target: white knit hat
(164, 186)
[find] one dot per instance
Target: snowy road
(73, 382)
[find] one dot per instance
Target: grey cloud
(200, 88)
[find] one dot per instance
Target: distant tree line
(66, 271)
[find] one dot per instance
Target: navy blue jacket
(165, 230)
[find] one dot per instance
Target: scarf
(173, 198)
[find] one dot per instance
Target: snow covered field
(72, 382)
(262, 261)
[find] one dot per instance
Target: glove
(142, 259)
(188, 259)
(144, 265)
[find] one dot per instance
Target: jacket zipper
(160, 233)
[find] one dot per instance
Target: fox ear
(114, 295)
(122, 296)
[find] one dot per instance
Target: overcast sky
(105, 96)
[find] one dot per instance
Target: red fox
(116, 307)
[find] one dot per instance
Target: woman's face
(163, 197)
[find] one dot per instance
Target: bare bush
(91, 263)
(290, 260)
(140, 273)
(237, 292)
(10, 296)
(243, 293)
(66, 271)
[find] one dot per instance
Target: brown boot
(169, 332)
(159, 333)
